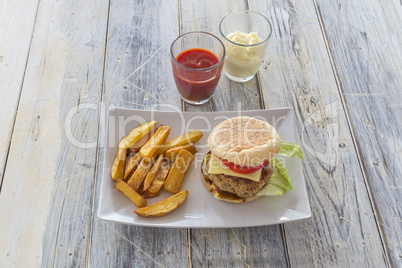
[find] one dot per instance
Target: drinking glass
(245, 34)
(197, 62)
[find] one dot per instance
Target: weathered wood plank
(237, 247)
(342, 231)
(137, 75)
(366, 47)
(17, 24)
(45, 202)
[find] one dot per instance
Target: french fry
(148, 194)
(164, 207)
(172, 153)
(178, 171)
(131, 194)
(154, 145)
(159, 178)
(119, 162)
(191, 136)
(151, 174)
(140, 190)
(136, 134)
(131, 165)
(139, 174)
(147, 163)
(137, 146)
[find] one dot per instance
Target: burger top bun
(244, 141)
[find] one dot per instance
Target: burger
(238, 166)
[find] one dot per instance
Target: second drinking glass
(245, 34)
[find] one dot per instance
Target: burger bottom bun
(229, 198)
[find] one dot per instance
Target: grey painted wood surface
(46, 194)
(365, 44)
(88, 56)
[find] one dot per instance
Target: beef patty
(239, 186)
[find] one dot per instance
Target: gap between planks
(97, 142)
(285, 245)
(188, 230)
(188, 246)
(352, 132)
(19, 97)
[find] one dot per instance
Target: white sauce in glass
(242, 61)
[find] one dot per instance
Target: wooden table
(64, 63)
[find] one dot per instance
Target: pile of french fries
(145, 163)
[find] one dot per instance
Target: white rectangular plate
(201, 209)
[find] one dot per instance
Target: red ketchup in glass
(197, 78)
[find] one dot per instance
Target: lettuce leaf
(290, 150)
(279, 181)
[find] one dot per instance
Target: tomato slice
(242, 169)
